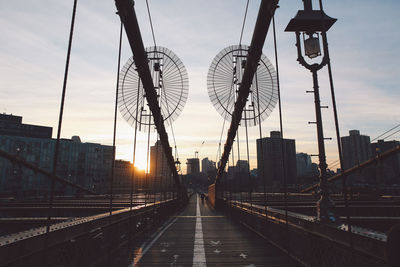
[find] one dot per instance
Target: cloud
(363, 46)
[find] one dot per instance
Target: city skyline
(34, 49)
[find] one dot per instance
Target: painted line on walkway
(199, 255)
(146, 246)
(205, 216)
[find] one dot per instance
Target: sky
(363, 46)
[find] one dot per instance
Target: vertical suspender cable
(339, 145)
(134, 147)
(261, 148)
(233, 174)
(238, 163)
(248, 163)
(147, 161)
(115, 119)
(56, 150)
(281, 130)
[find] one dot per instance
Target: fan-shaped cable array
(223, 82)
(170, 80)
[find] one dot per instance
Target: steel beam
(126, 11)
(265, 14)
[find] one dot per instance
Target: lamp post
(311, 24)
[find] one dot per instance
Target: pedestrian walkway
(200, 236)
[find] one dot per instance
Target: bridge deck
(200, 236)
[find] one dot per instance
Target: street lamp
(311, 24)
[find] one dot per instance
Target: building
(124, 178)
(85, 164)
(193, 166)
(356, 149)
(270, 160)
(303, 164)
(387, 171)
(160, 172)
(11, 125)
(207, 165)
(242, 178)
(242, 168)
(158, 161)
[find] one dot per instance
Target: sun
(140, 163)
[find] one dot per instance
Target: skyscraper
(159, 168)
(387, 170)
(193, 166)
(355, 148)
(270, 160)
(207, 165)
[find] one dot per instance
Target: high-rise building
(158, 161)
(387, 171)
(207, 165)
(270, 160)
(242, 168)
(303, 164)
(355, 149)
(307, 171)
(160, 172)
(192, 166)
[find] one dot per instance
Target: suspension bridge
(172, 222)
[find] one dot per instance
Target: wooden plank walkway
(200, 236)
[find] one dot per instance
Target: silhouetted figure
(202, 198)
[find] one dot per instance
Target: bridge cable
(147, 161)
(240, 41)
(56, 150)
(225, 118)
(248, 163)
(344, 179)
(233, 185)
(238, 139)
(335, 163)
(281, 130)
(238, 163)
(392, 134)
(261, 149)
(151, 24)
(386, 133)
(243, 24)
(155, 48)
(115, 120)
(134, 147)
(166, 99)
